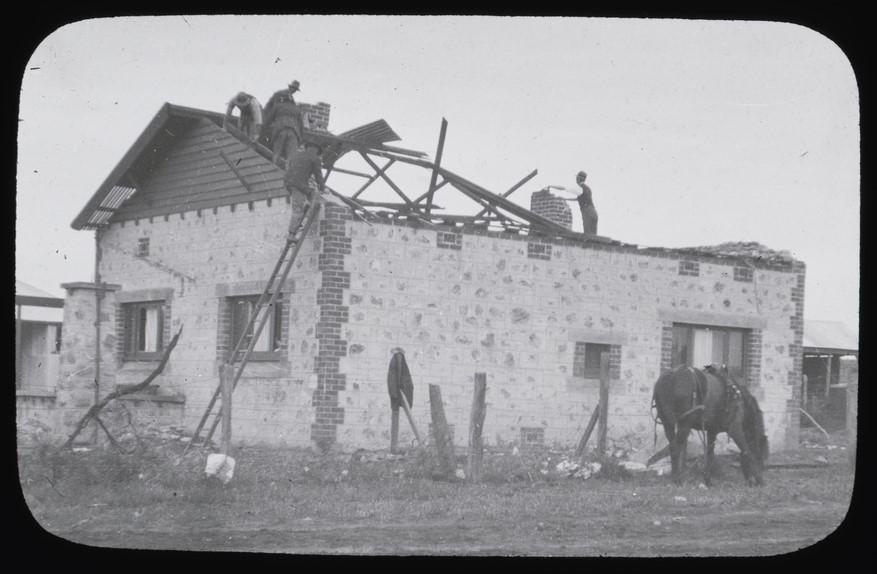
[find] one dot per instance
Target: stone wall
(458, 303)
(75, 391)
(35, 416)
(197, 259)
(498, 305)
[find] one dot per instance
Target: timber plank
(233, 191)
(200, 204)
(208, 171)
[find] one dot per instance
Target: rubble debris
(221, 466)
(744, 249)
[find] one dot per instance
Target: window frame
(738, 372)
(132, 330)
(274, 326)
(580, 367)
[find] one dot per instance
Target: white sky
(692, 132)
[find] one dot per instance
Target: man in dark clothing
(586, 205)
(251, 115)
(284, 125)
(301, 166)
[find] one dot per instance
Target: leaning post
(476, 425)
(227, 380)
(604, 403)
(440, 432)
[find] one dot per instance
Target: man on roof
(250, 122)
(284, 124)
(586, 205)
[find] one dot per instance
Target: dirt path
(687, 533)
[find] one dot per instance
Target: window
(698, 346)
(586, 360)
(270, 341)
(143, 247)
(144, 330)
(54, 338)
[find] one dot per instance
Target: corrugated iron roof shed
(830, 336)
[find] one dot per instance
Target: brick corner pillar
(332, 315)
(797, 353)
(551, 207)
(75, 388)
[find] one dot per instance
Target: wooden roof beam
(438, 161)
(373, 178)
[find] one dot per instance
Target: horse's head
(756, 438)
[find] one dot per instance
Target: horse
(710, 401)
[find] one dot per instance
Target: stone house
(189, 226)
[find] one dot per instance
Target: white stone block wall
(458, 304)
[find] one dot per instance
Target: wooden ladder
(266, 301)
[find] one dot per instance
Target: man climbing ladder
(303, 164)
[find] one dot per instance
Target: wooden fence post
(441, 435)
(226, 375)
(604, 403)
(476, 425)
(394, 430)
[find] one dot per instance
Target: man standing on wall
(586, 205)
(284, 125)
(303, 163)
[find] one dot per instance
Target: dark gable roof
(148, 148)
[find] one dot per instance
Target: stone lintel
(137, 295)
(242, 288)
(714, 319)
(90, 286)
(597, 336)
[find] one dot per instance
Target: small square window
(532, 436)
(144, 330)
(743, 274)
(270, 342)
(586, 360)
(143, 247)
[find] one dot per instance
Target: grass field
(298, 501)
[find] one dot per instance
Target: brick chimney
(317, 115)
(551, 207)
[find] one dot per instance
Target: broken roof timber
(484, 194)
(121, 183)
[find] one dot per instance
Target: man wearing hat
(284, 125)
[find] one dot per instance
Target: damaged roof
(220, 166)
(748, 249)
(369, 141)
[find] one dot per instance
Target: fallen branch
(98, 406)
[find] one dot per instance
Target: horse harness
(698, 394)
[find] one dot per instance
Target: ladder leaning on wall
(266, 302)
